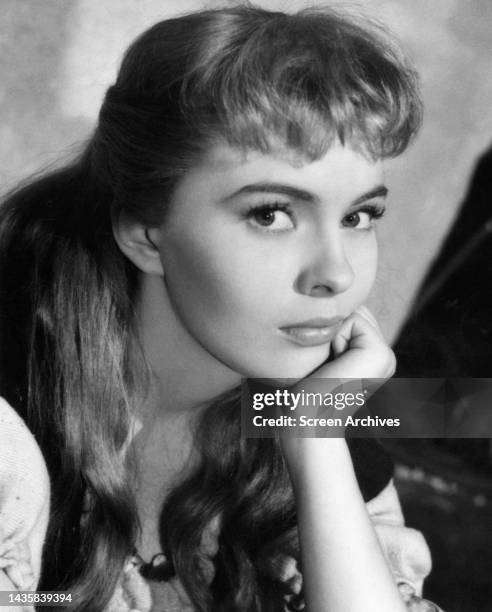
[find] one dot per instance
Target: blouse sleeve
(405, 549)
(24, 501)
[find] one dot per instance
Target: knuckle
(391, 362)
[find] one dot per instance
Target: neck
(185, 378)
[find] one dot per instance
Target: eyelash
(375, 212)
(255, 211)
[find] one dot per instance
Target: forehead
(341, 169)
(220, 155)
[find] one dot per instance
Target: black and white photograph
(246, 305)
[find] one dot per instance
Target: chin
(288, 370)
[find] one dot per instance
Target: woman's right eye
(272, 217)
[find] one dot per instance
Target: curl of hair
(244, 483)
(252, 78)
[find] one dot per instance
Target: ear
(139, 244)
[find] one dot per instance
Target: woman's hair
(69, 363)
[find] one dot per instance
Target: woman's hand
(343, 565)
(359, 350)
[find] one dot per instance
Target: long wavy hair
(69, 358)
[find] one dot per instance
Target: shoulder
(13, 428)
(24, 499)
(20, 456)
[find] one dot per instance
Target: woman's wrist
(314, 460)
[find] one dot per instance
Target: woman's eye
(274, 218)
(362, 219)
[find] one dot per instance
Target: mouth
(313, 332)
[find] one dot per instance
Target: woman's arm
(342, 563)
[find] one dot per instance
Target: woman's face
(265, 255)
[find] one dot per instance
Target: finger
(357, 332)
(364, 311)
(341, 341)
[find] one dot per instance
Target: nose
(327, 270)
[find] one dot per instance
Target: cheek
(193, 282)
(226, 294)
(216, 282)
(364, 261)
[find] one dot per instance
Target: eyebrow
(301, 194)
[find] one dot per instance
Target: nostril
(326, 273)
(320, 290)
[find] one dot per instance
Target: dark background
(446, 484)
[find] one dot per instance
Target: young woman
(220, 224)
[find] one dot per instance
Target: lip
(313, 332)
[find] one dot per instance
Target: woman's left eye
(362, 219)
(271, 217)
